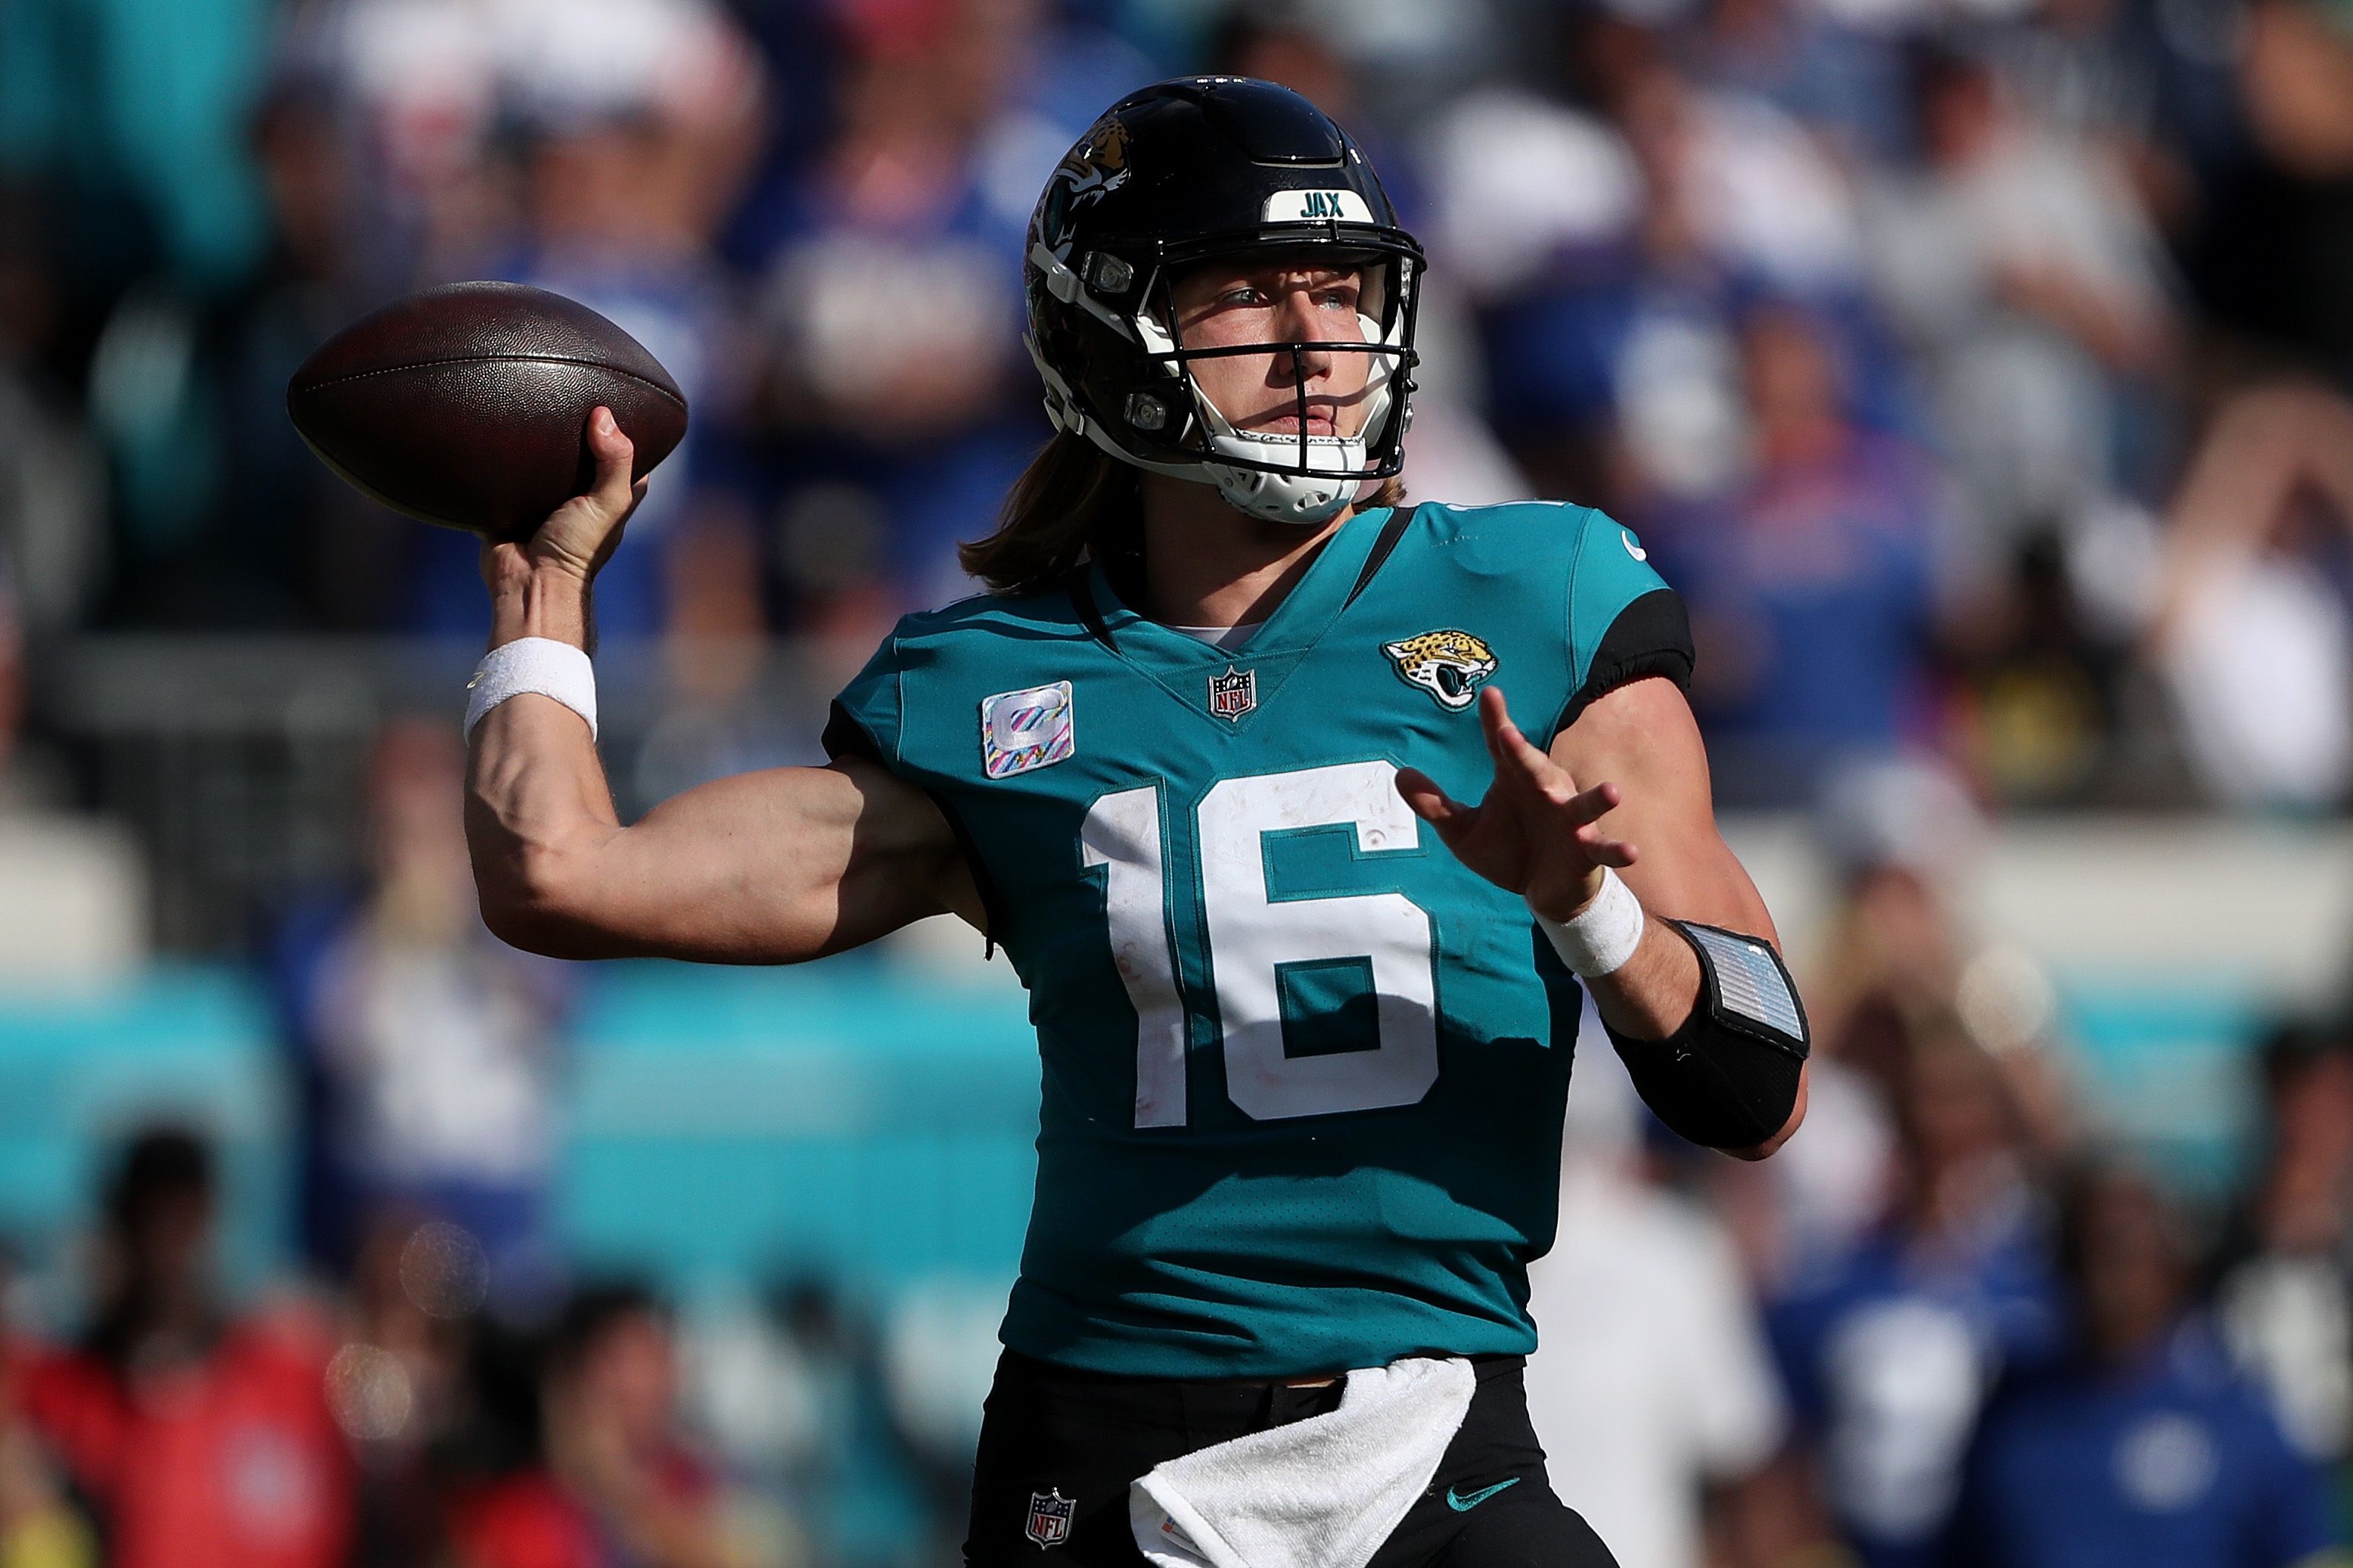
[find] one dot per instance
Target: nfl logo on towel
(1234, 693)
(1049, 1518)
(1019, 731)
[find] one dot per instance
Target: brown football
(467, 405)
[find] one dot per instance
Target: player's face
(1277, 297)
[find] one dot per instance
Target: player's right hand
(581, 535)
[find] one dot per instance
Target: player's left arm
(1642, 741)
(1649, 814)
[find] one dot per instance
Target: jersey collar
(1179, 664)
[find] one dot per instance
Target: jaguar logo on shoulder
(1049, 1518)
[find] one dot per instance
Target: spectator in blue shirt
(1889, 1350)
(2143, 1448)
(623, 180)
(426, 1051)
(895, 404)
(1817, 587)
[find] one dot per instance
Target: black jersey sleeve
(1651, 635)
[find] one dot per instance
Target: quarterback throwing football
(1198, 761)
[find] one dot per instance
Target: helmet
(1184, 172)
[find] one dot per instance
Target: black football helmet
(1180, 173)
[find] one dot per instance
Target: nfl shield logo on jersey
(1049, 1518)
(1034, 727)
(1234, 693)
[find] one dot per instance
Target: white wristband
(1604, 934)
(544, 665)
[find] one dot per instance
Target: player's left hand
(1534, 834)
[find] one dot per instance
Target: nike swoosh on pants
(1465, 1504)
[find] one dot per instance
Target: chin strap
(1334, 464)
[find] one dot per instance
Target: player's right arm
(763, 868)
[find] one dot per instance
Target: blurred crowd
(1957, 1323)
(1981, 371)
(1977, 368)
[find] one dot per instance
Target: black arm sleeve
(1729, 1079)
(1713, 1086)
(1651, 635)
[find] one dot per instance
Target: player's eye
(1243, 295)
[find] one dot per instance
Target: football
(467, 405)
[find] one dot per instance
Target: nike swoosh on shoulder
(1632, 549)
(1461, 1503)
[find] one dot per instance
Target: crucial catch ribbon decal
(1033, 728)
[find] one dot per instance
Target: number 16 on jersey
(1252, 938)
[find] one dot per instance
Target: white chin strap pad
(1334, 465)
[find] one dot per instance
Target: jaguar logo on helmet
(1088, 173)
(1194, 170)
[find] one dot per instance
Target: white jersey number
(1251, 937)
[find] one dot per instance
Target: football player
(1198, 761)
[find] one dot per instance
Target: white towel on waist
(1319, 1493)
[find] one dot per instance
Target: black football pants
(1051, 1435)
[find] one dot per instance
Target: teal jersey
(1303, 1072)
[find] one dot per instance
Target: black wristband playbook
(1744, 986)
(1729, 1079)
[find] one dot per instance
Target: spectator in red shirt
(199, 1438)
(615, 1485)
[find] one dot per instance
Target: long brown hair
(1075, 502)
